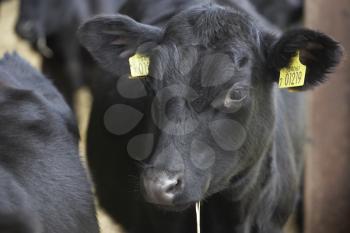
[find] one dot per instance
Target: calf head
(212, 76)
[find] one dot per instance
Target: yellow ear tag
(294, 74)
(139, 66)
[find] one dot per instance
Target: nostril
(174, 186)
(162, 188)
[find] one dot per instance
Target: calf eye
(199, 104)
(242, 61)
(232, 100)
(237, 94)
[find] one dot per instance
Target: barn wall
(328, 164)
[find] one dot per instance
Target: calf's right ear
(112, 38)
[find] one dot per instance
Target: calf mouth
(175, 208)
(169, 190)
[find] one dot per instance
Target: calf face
(43, 187)
(212, 76)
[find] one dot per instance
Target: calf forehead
(211, 26)
(195, 36)
(200, 68)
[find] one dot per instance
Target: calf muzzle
(162, 187)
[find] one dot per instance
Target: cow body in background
(206, 123)
(50, 26)
(43, 186)
(282, 13)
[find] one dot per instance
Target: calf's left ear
(318, 52)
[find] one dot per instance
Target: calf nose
(162, 187)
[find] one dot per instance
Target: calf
(43, 186)
(203, 120)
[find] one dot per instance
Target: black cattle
(282, 13)
(43, 186)
(207, 122)
(50, 26)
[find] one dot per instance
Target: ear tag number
(294, 74)
(139, 66)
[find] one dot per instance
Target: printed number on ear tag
(294, 74)
(139, 66)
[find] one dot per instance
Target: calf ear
(318, 52)
(112, 38)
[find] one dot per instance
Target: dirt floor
(9, 43)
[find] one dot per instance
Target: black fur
(282, 13)
(43, 186)
(209, 64)
(55, 22)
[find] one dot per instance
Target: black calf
(43, 186)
